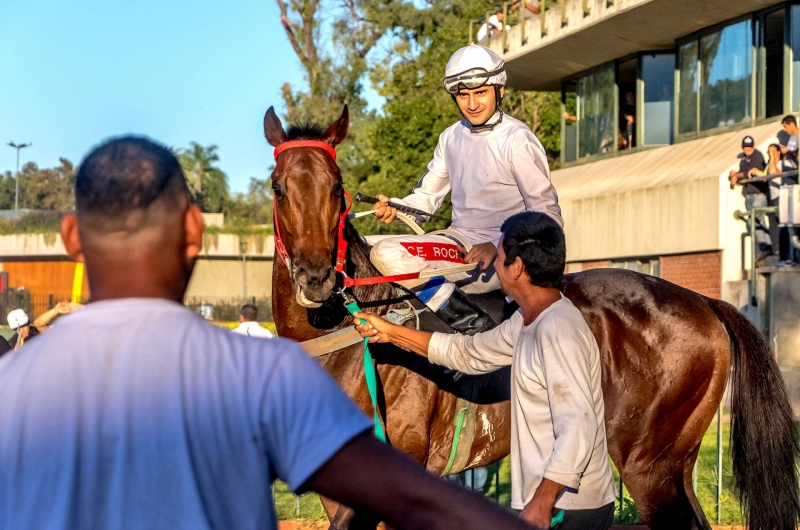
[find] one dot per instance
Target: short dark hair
(788, 119)
(249, 312)
(125, 175)
(538, 240)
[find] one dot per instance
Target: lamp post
(16, 192)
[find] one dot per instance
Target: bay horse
(666, 351)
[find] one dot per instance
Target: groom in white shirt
(558, 439)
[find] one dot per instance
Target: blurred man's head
(134, 224)
(249, 313)
(532, 251)
(789, 124)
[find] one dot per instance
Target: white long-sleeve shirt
(557, 426)
(493, 174)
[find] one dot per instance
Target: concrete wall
(39, 263)
(676, 218)
(224, 278)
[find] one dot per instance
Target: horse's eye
(277, 190)
(338, 188)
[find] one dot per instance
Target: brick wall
(701, 272)
(579, 266)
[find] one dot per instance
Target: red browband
(305, 143)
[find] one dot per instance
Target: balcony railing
(518, 12)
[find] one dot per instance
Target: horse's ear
(273, 129)
(337, 132)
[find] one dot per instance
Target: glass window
(658, 75)
(651, 266)
(570, 146)
(595, 122)
(687, 96)
(769, 84)
(725, 80)
(795, 43)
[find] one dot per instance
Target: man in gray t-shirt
(789, 151)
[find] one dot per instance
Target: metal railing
(750, 217)
(219, 308)
(517, 13)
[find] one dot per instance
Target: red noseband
(328, 148)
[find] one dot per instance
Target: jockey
(495, 167)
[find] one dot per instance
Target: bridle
(341, 244)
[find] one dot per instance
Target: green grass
(706, 483)
(310, 507)
(286, 505)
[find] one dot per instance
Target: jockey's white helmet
(474, 66)
(17, 318)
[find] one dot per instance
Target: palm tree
(208, 183)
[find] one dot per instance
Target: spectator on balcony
(494, 26)
(46, 319)
(755, 193)
(18, 321)
(773, 168)
(496, 21)
(248, 316)
(789, 150)
(627, 122)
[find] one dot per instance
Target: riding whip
(360, 197)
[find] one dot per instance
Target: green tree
(42, 189)
(207, 183)
(253, 207)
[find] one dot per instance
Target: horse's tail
(765, 447)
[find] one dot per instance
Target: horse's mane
(305, 131)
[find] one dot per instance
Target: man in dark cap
(135, 413)
(755, 193)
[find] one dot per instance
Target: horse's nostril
(313, 276)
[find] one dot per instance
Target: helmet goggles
(469, 80)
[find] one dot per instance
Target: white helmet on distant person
(472, 67)
(17, 318)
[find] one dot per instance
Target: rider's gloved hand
(383, 211)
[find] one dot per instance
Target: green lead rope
(369, 374)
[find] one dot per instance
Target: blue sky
(75, 73)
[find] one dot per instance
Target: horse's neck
(299, 323)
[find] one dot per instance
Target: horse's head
(308, 200)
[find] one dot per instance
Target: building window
(769, 84)
(596, 112)
(718, 68)
(651, 266)
(687, 92)
(726, 76)
(795, 45)
(658, 75)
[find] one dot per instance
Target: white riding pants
(414, 253)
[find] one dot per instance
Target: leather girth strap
(464, 424)
(332, 342)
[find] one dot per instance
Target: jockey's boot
(460, 313)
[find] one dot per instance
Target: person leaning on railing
(773, 168)
(755, 193)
